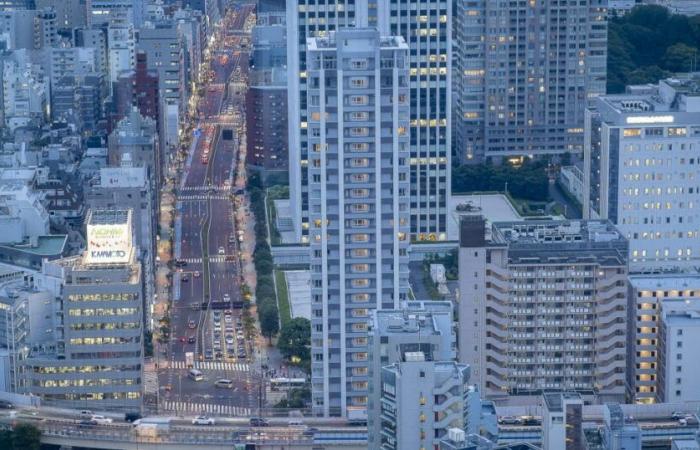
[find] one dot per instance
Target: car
(217, 343)
(132, 416)
(222, 251)
(184, 279)
(203, 420)
(509, 420)
(180, 263)
(191, 339)
(218, 355)
(229, 340)
(224, 383)
(227, 298)
(183, 339)
(86, 413)
(101, 420)
(86, 423)
(195, 306)
(4, 404)
(196, 274)
(192, 324)
(228, 319)
(208, 354)
(242, 354)
(258, 422)
(216, 314)
(229, 328)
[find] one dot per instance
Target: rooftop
(49, 245)
(494, 208)
(678, 282)
(555, 400)
(108, 216)
(555, 231)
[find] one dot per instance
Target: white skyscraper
(358, 119)
(426, 26)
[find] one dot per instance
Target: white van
(296, 423)
(224, 383)
(196, 375)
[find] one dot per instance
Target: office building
(17, 29)
(95, 39)
(13, 5)
(101, 12)
(24, 90)
(121, 49)
(135, 141)
(421, 400)
(97, 360)
(70, 14)
(358, 203)
(678, 355)
(426, 27)
(139, 89)
(417, 326)
(529, 296)
(525, 72)
(640, 171)
(266, 98)
(562, 421)
(646, 295)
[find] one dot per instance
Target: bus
(278, 384)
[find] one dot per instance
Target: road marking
(202, 197)
(209, 408)
(213, 366)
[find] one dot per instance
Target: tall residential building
(426, 26)
(543, 307)
(647, 293)
(641, 171)
(418, 326)
(679, 356)
(524, 74)
(121, 49)
(266, 98)
(358, 203)
(97, 361)
(420, 400)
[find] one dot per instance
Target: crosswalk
(208, 408)
(204, 188)
(184, 198)
(216, 259)
(213, 365)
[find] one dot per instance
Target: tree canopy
(648, 44)
(295, 339)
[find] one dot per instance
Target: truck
(151, 426)
(189, 359)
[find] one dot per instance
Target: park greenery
(23, 436)
(649, 43)
(296, 398)
(265, 297)
(528, 181)
(294, 342)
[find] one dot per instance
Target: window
(360, 268)
(359, 99)
(358, 82)
(360, 298)
(359, 253)
(358, 63)
(361, 237)
(359, 147)
(632, 132)
(677, 131)
(359, 131)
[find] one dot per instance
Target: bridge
(64, 428)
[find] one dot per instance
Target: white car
(203, 420)
(229, 340)
(227, 298)
(228, 319)
(222, 251)
(101, 420)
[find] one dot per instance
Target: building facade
(426, 27)
(678, 356)
(421, 400)
(640, 171)
(529, 296)
(97, 361)
(358, 203)
(524, 74)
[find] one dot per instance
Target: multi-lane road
(207, 268)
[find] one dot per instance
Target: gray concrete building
(421, 400)
(134, 142)
(425, 326)
(543, 307)
(358, 180)
(524, 74)
(97, 361)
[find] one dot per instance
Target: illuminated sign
(649, 119)
(109, 243)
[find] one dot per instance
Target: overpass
(180, 434)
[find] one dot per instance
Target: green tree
(295, 339)
(679, 57)
(269, 319)
(26, 437)
(649, 74)
(296, 398)
(5, 439)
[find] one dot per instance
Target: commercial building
(358, 182)
(417, 327)
(135, 142)
(70, 14)
(421, 400)
(101, 12)
(543, 307)
(679, 357)
(426, 26)
(266, 98)
(640, 171)
(24, 90)
(97, 360)
(524, 74)
(138, 88)
(647, 293)
(121, 48)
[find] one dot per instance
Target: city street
(206, 328)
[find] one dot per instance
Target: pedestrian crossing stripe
(183, 198)
(213, 365)
(209, 408)
(204, 188)
(216, 259)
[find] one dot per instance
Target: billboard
(109, 243)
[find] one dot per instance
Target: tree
(5, 439)
(269, 319)
(679, 57)
(295, 339)
(26, 437)
(296, 398)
